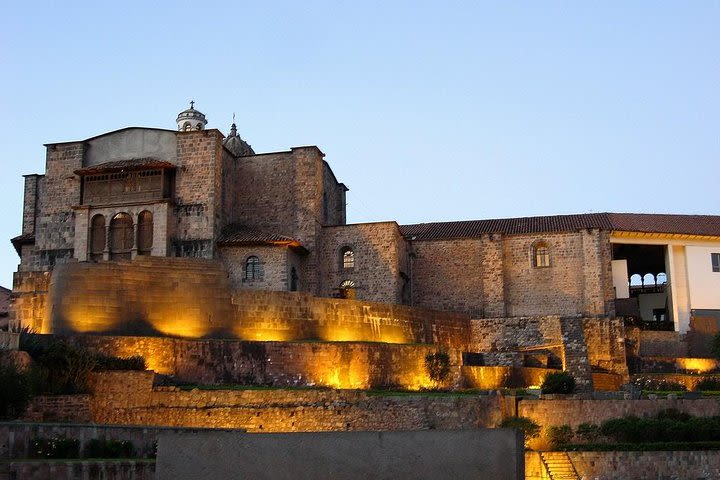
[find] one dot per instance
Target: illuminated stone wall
(282, 364)
(124, 400)
(192, 298)
(29, 299)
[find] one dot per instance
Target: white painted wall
(704, 284)
(620, 279)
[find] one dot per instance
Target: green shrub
(559, 435)
(658, 384)
(54, 447)
(708, 384)
(558, 382)
(67, 368)
(588, 432)
(108, 362)
(438, 366)
(524, 424)
(101, 448)
(14, 392)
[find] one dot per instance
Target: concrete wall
(131, 143)
(704, 284)
(496, 454)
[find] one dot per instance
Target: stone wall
(605, 340)
(273, 261)
(380, 269)
(512, 334)
(192, 298)
(575, 411)
(120, 399)
(461, 275)
(638, 465)
(662, 344)
(29, 299)
(59, 408)
(280, 364)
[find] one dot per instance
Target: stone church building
(276, 221)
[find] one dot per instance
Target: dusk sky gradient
(427, 111)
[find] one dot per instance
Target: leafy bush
(14, 392)
(54, 447)
(437, 365)
(67, 368)
(588, 432)
(558, 382)
(101, 448)
(559, 435)
(708, 384)
(524, 424)
(108, 362)
(666, 426)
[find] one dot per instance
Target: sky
(427, 111)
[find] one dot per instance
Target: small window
(293, 280)
(253, 268)
(347, 289)
(97, 238)
(348, 258)
(715, 258)
(145, 233)
(541, 255)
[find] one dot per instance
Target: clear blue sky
(428, 111)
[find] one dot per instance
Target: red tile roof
(119, 165)
(705, 225)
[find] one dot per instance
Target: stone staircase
(559, 466)
(576, 353)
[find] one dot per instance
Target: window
(715, 258)
(293, 280)
(347, 289)
(121, 237)
(145, 233)
(253, 268)
(348, 258)
(541, 255)
(97, 238)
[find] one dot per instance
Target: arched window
(121, 237)
(541, 255)
(648, 280)
(347, 257)
(145, 233)
(347, 289)
(253, 268)
(98, 237)
(661, 278)
(187, 127)
(636, 280)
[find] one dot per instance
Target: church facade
(277, 222)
